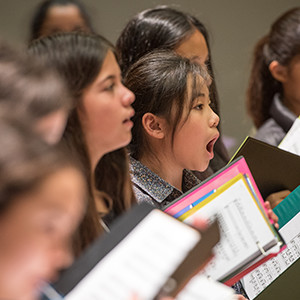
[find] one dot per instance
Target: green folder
(288, 208)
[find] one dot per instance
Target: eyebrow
(102, 82)
(110, 77)
(199, 57)
(199, 95)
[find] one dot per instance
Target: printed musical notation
(256, 281)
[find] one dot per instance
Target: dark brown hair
(113, 177)
(281, 44)
(160, 83)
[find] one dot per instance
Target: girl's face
(63, 18)
(106, 110)
(35, 234)
(195, 136)
(194, 48)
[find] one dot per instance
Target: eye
(110, 88)
(199, 106)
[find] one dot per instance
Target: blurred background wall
(234, 27)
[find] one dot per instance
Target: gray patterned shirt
(149, 187)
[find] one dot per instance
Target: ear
(278, 71)
(154, 125)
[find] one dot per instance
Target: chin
(126, 142)
(202, 167)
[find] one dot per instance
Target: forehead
(64, 14)
(197, 89)
(109, 67)
(62, 192)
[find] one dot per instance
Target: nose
(128, 96)
(214, 119)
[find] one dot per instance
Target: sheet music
(141, 263)
(202, 288)
(242, 226)
(256, 281)
(291, 141)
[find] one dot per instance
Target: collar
(281, 114)
(155, 186)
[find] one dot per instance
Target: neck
(95, 154)
(164, 167)
(94, 157)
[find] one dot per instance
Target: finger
(271, 214)
(267, 205)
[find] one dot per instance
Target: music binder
(233, 195)
(118, 257)
(273, 169)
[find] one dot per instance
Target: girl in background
(166, 28)
(273, 98)
(53, 16)
(100, 120)
(42, 200)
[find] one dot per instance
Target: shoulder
(270, 132)
(142, 196)
(148, 186)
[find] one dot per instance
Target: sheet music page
(291, 141)
(256, 281)
(203, 288)
(242, 226)
(141, 263)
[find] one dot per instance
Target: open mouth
(210, 147)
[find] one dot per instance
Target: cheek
(190, 145)
(23, 263)
(104, 116)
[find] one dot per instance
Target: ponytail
(262, 86)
